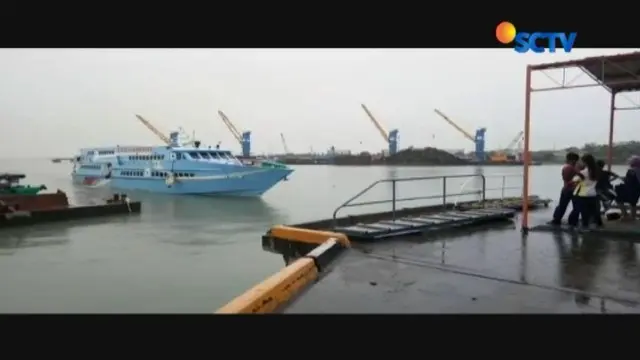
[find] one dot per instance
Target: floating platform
(25, 210)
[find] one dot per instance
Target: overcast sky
(54, 101)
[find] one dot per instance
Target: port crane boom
(514, 142)
(390, 137)
(455, 126)
(244, 138)
(230, 126)
(284, 144)
(383, 132)
(154, 130)
(478, 139)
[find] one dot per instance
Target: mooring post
(393, 194)
(444, 192)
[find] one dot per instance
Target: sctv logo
(537, 42)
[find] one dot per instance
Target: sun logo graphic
(538, 42)
(506, 32)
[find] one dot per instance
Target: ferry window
(215, 155)
(161, 157)
(155, 174)
(178, 156)
(204, 155)
(194, 155)
(192, 175)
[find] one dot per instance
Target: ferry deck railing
(443, 195)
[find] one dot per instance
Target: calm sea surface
(189, 254)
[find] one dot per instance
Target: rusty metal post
(527, 152)
(612, 112)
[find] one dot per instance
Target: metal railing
(502, 187)
(394, 197)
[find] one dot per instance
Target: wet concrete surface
(490, 270)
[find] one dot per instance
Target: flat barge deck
(485, 265)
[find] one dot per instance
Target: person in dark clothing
(604, 188)
(629, 191)
(569, 171)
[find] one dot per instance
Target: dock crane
(508, 152)
(243, 138)
(390, 137)
(284, 144)
(515, 141)
(478, 139)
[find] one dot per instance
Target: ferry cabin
(140, 161)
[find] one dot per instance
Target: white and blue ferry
(176, 169)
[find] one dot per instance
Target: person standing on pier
(585, 195)
(569, 171)
(605, 190)
(629, 191)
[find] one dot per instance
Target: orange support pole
(612, 112)
(527, 152)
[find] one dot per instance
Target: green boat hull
(22, 190)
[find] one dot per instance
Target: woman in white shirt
(585, 194)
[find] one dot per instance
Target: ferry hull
(253, 182)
